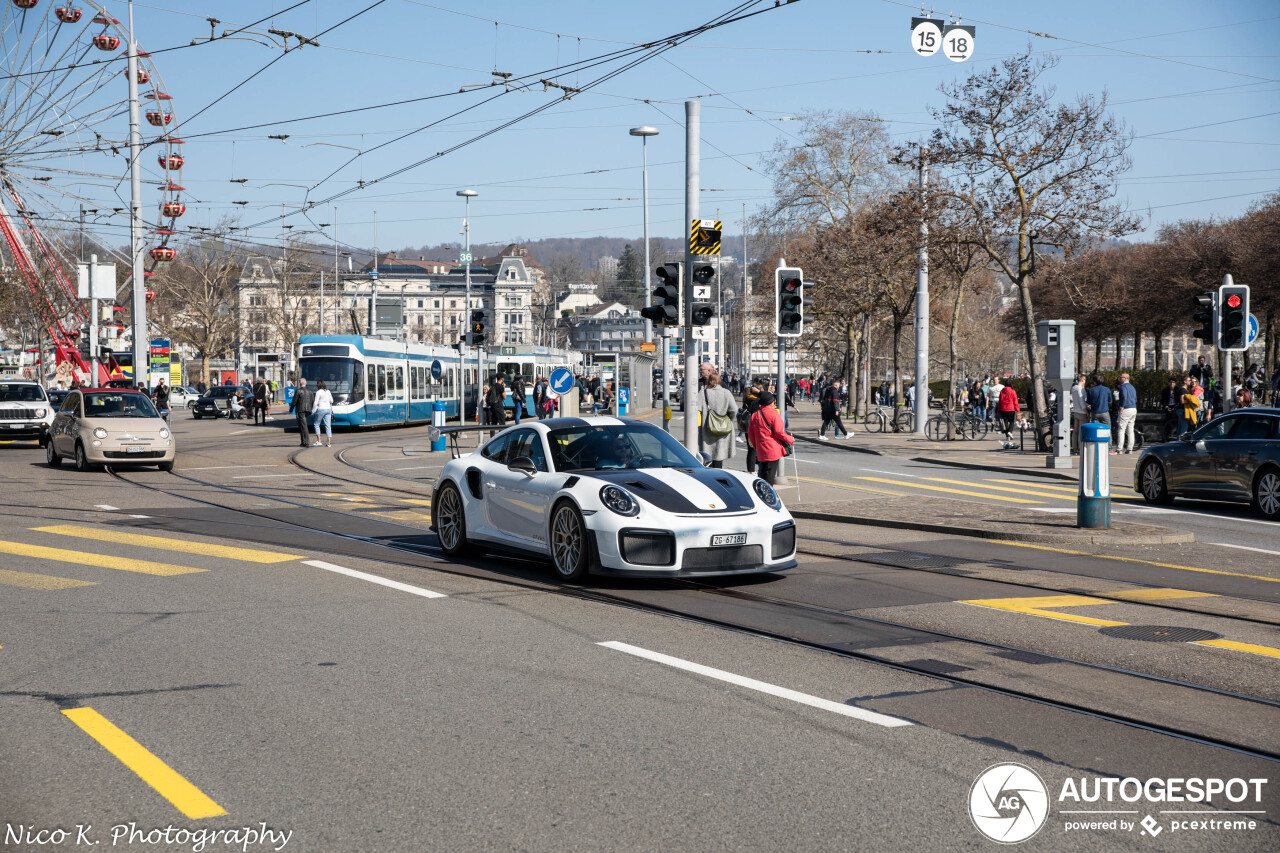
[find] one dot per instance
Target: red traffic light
(791, 284)
(1233, 301)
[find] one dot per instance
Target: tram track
(771, 604)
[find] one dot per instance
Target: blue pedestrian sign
(437, 370)
(1253, 330)
(673, 348)
(624, 396)
(561, 380)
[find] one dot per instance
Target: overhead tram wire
(655, 48)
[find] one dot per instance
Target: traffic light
(703, 310)
(1233, 317)
(789, 302)
(476, 331)
(667, 299)
(1207, 317)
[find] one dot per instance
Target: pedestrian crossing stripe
(415, 502)
(30, 580)
(83, 558)
(948, 490)
(1000, 488)
(248, 555)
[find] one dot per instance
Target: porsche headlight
(99, 432)
(164, 433)
(619, 500)
(767, 494)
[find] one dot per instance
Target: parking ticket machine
(1059, 338)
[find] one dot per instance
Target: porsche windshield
(597, 447)
(100, 405)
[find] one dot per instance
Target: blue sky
(1196, 82)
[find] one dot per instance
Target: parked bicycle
(952, 425)
(881, 418)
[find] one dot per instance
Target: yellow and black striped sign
(704, 237)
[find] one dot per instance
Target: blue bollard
(437, 420)
(1093, 505)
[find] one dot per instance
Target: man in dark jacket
(1172, 403)
(497, 402)
(304, 400)
(1099, 399)
(260, 400)
(517, 396)
(831, 411)
(540, 397)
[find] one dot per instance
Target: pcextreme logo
(1008, 803)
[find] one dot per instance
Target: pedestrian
(201, 387)
(750, 403)
(718, 414)
(1128, 413)
(1172, 403)
(831, 412)
(540, 397)
(496, 402)
(1079, 411)
(162, 399)
(260, 401)
(517, 396)
(1098, 396)
(1201, 371)
(323, 406)
(977, 401)
(769, 437)
(1191, 402)
(1007, 409)
(994, 390)
(303, 403)
(1244, 398)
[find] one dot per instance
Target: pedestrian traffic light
(703, 310)
(789, 302)
(476, 331)
(667, 299)
(1233, 317)
(1207, 317)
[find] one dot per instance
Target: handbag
(717, 424)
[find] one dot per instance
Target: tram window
(357, 385)
(373, 382)
(413, 383)
(399, 395)
(382, 381)
(452, 383)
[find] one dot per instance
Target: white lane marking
(220, 467)
(417, 467)
(891, 473)
(107, 507)
(1244, 548)
(1052, 508)
(131, 515)
(241, 431)
(761, 686)
(403, 587)
(265, 476)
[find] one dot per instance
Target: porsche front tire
(570, 543)
(451, 521)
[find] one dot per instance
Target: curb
(1047, 473)
(850, 447)
(1109, 538)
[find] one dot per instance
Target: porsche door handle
(490, 485)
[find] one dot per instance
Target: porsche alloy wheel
(1154, 488)
(1266, 494)
(451, 521)
(569, 549)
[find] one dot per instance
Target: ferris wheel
(64, 157)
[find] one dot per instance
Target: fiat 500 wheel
(51, 456)
(570, 552)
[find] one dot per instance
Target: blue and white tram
(377, 382)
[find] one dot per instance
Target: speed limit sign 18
(957, 42)
(926, 36)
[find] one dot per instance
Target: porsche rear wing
(453, 435)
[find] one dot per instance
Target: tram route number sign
(465, 257)
(561, 380)
(437, 370)
(929, 35)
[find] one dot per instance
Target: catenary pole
(922, 304)
(141, 339)
(693, 126)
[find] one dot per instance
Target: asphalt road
(270, 661)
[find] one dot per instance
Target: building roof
(512, 250)
(390, 263)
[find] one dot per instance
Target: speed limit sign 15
(926, 36)
(957, 42)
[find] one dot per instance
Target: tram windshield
(340, 375)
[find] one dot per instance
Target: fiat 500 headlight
(164, 433)
(619, 500)
(767, 494)
(99, 432)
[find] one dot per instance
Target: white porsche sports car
(613, 496)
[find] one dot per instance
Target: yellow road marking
(852, 487)
(31, 580)
(1240, 647)
(1157, 594)
(403, 515)
(1033, 607)
(1002, 489)
(83, 558)
(1136, 560)
(949, 491)
(347, 498)
(187, 798)
(249, 555)
(1072, 489)
(415, 501)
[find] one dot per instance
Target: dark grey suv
(1235, 457)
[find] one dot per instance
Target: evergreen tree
(630, 278)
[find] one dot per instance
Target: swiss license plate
(133, 449)
(729, 539)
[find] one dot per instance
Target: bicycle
(951, 424)
(879, 419)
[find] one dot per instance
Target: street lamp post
(462, 347)
(644, 132)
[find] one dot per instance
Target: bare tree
(195, 302)
(1028, 170)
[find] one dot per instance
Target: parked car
(216, 402)
(25, 411)
(115, 426)
(1234, 457)
(183, 397)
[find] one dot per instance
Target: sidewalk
(984, 454)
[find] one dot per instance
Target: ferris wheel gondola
(64, 138)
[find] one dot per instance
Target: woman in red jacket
(1008, 409)
(768, 435)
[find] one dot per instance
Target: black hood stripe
(667, 498)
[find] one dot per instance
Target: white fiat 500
(613, 496)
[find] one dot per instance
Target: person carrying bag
(768, 435)
(718, 410)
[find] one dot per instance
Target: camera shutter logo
(1008, 803)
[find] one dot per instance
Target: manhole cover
(1159, 633)
(910, 560)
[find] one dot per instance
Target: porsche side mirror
(523, 464)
